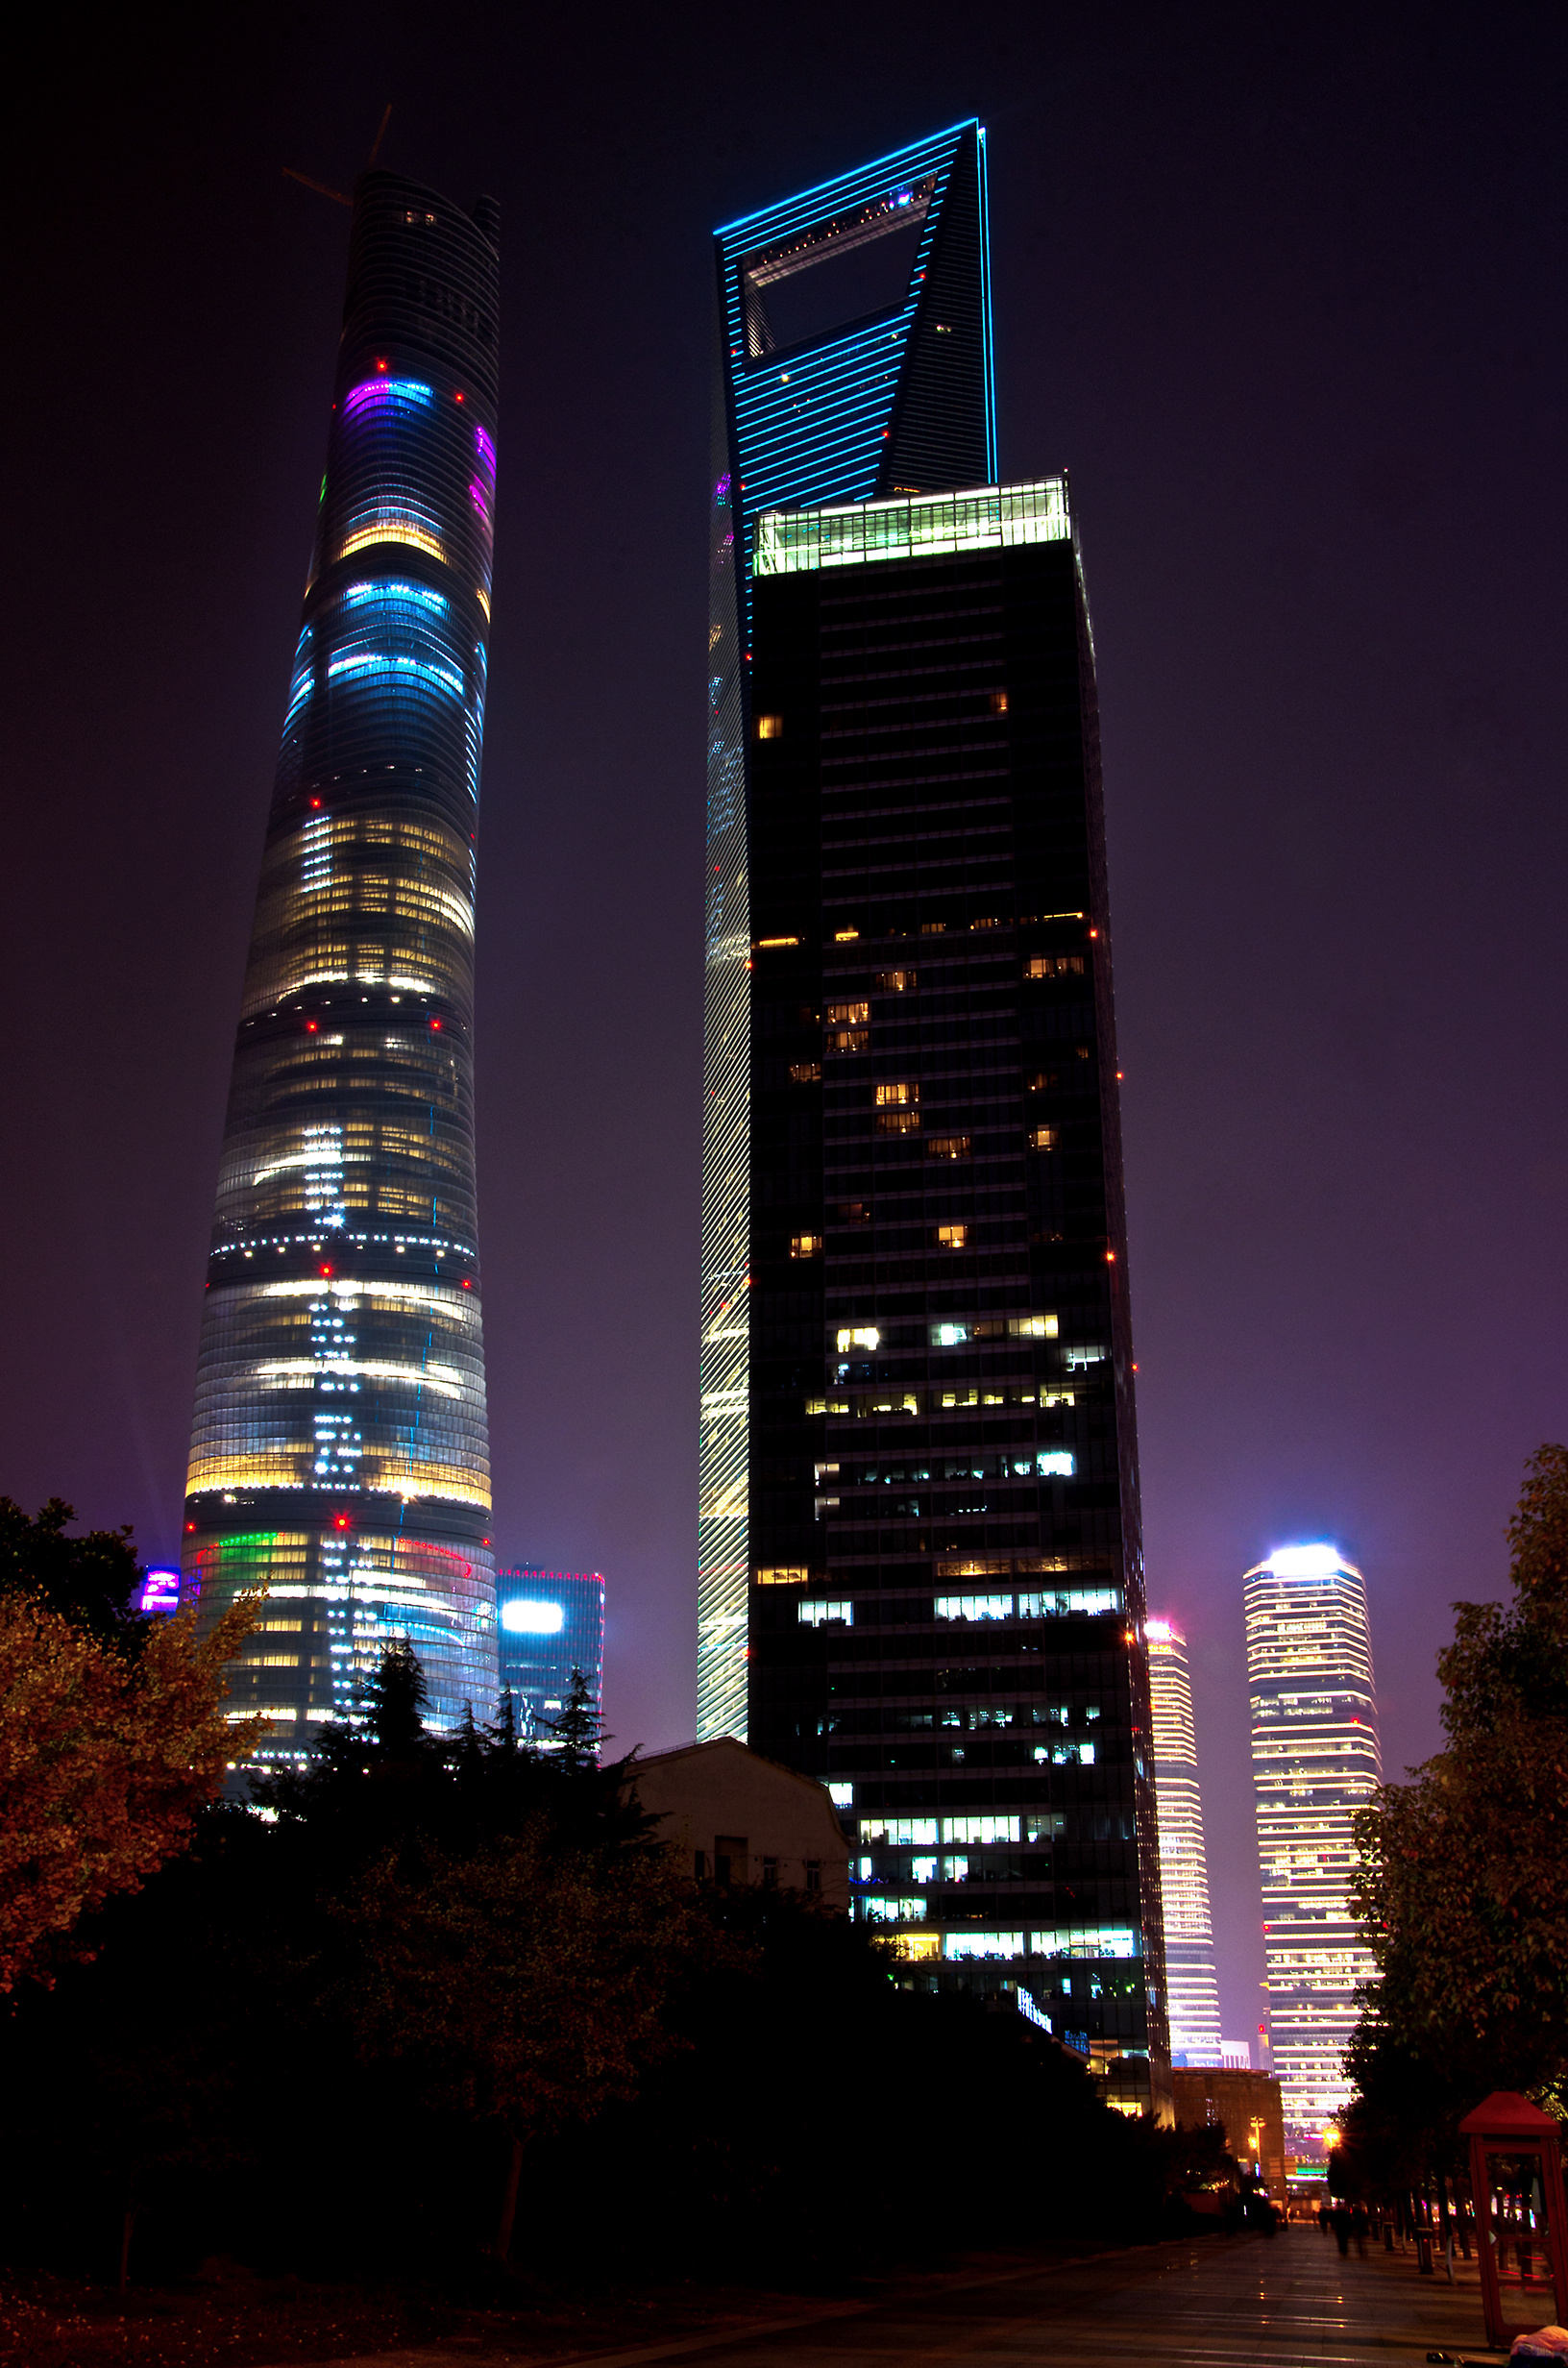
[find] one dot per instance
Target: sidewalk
(1212, 2303)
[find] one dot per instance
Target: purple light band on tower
(387, 395)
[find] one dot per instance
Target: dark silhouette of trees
(1463, 1879)
(467, 1968)
(91, 1579)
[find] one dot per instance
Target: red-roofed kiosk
(1516, 2179)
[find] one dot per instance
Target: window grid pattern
(339, 1447)
(1315, 1760)
(841, 420)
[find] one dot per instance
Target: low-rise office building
(731, 1817)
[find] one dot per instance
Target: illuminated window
(897, 1094)
(806, 1073)
(862, 1335)
(1054, 966)
(875, 1827)
(947, 1147)
(819, 1613)
(769, 727)
(853, 1213)
(1044, 1079)
(982, 1829)
(973, 1607)
(932, 928)
(783, 1574)
(845, 937)
(1043, 1138)
(765, 944)
(898, 1121)
(999, 702)
(847, 1026)
(989, 921)
(952, 1237)
(894, 982)
(805, 1246)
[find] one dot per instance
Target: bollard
(1423, 2254)
(1387, 2236)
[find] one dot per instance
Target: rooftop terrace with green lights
(912, 527)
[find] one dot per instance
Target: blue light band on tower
(339, 1447)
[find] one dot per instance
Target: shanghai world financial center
(921, 1573)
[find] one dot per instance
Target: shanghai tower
(921, 1575)
(339, 1450)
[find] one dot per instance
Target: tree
(577, 1731)
(1463, 1876)
(104, 1763)
(520, 1983)
(91, 1579)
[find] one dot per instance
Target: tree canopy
(1463, 1881)
(91, 1579)
(111, 1735)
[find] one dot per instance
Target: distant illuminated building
(1191, 1985)
(339, 1457)
(159, 1591)
(1315, 1762)
(552, 1622)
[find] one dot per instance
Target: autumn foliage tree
(1463, 1884)
(111, 1735)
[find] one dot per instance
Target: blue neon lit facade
(897, 399)
(339, 1449)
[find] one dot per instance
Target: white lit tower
(1191, 1985)
(1314, 1761)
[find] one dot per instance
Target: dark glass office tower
(339, 1450)
(922, 1575)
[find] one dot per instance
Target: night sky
(1284, 288)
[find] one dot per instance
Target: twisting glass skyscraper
(339, 1450)
(1314, 1762)
(1192, 1984)
(920, 1571)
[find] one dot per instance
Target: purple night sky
(1283, 289)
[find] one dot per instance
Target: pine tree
(393, 1703)
(578, 1729)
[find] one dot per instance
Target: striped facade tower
(1190, 1978)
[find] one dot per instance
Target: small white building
(731, 1817)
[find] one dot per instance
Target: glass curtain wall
(1315, 1760)
(339, 1447)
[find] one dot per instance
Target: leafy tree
(1464, 1875)
(92, 1580)
(104, 1763)
(524, 1984)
